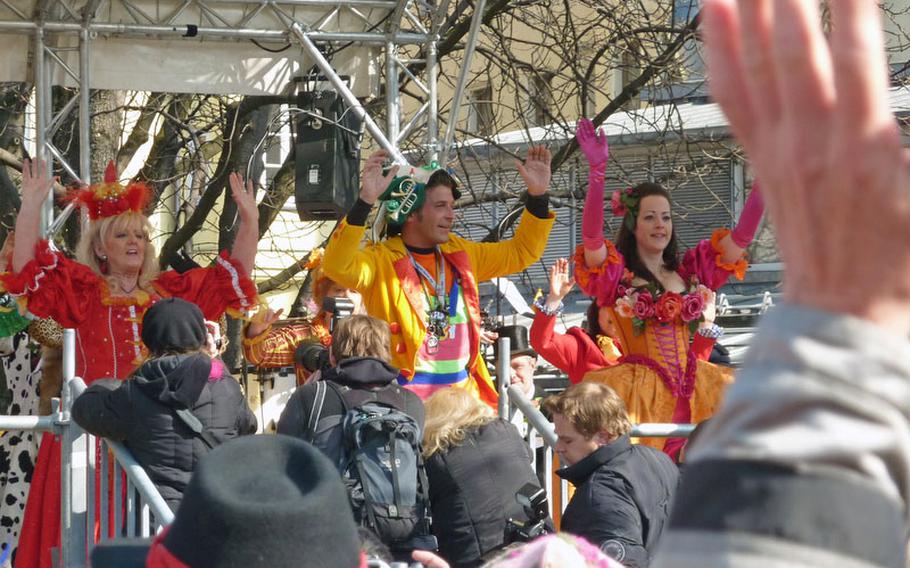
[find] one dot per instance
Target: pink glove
(594, 145)
(749, 219)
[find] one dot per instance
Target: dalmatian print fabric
(21, 362)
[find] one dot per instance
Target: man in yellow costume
(422, 279)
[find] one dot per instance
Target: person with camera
(370, 428)
(271, 346)
(477, 465)
(623, 492)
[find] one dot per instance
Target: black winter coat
(472, 491)
(140, 412)
(623, 494)
(362, 373)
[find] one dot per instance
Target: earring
(104, 257)
(102, 265)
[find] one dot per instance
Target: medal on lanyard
(438, 324)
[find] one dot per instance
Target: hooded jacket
(361, 373)
(141, 412)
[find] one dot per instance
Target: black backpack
(376, 447)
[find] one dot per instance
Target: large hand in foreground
(372, 182)
(812, 112)
(536, 170)
(592, 142)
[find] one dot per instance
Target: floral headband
(110, 198)
(625, 204)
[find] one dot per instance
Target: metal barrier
(143, 511)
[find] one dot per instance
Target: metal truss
(400, 29)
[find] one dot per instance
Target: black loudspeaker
(327, 155)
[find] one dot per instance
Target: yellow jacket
(391, 289)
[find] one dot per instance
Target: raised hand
(710, 312)
(592, 142)
(536, 170)
(36, 183)
(244, 196)
(261, 321)
(560, 281)
(812, 112)
(372, 182)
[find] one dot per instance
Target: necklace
(439, 309)
(123, 288)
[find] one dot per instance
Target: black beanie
(269, 501)
(173, 324)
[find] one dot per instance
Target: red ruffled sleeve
(601, 281)
(53, 286)
(224, 287)
(704, 262)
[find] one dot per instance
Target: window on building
(538, 97)
(480, 111)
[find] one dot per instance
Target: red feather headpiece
(111, 198)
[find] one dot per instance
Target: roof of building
(699, 120)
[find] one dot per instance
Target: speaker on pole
(327, 155)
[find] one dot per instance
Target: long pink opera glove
(749, 219)
(594, 145)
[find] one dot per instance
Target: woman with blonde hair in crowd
(475, 463)
(103, 295)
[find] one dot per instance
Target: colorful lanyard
(439, 286)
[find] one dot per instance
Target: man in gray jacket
(808, 461)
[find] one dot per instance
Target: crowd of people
(389, 450)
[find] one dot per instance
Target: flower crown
(625, 204)
(110, 197)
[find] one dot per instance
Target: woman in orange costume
(103, 296)
(656, 299)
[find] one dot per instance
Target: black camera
(533, 500)
(311, 355)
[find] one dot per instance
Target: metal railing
(93, 471)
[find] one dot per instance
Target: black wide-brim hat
(255, 502)
(518, 341)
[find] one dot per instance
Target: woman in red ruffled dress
(103, 296)
(656, 299)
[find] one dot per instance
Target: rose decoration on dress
(625, 307)
(644, 306)
(651, 303)
(668, 307)
(692, 307)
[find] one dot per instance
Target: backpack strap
(195, 425)
(316, 411)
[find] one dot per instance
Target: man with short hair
(623, 491)
(423, 279)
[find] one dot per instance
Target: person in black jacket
(359, 357)
(178, 388)
(476, 463)
(623, 491)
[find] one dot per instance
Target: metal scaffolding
(395, 34)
